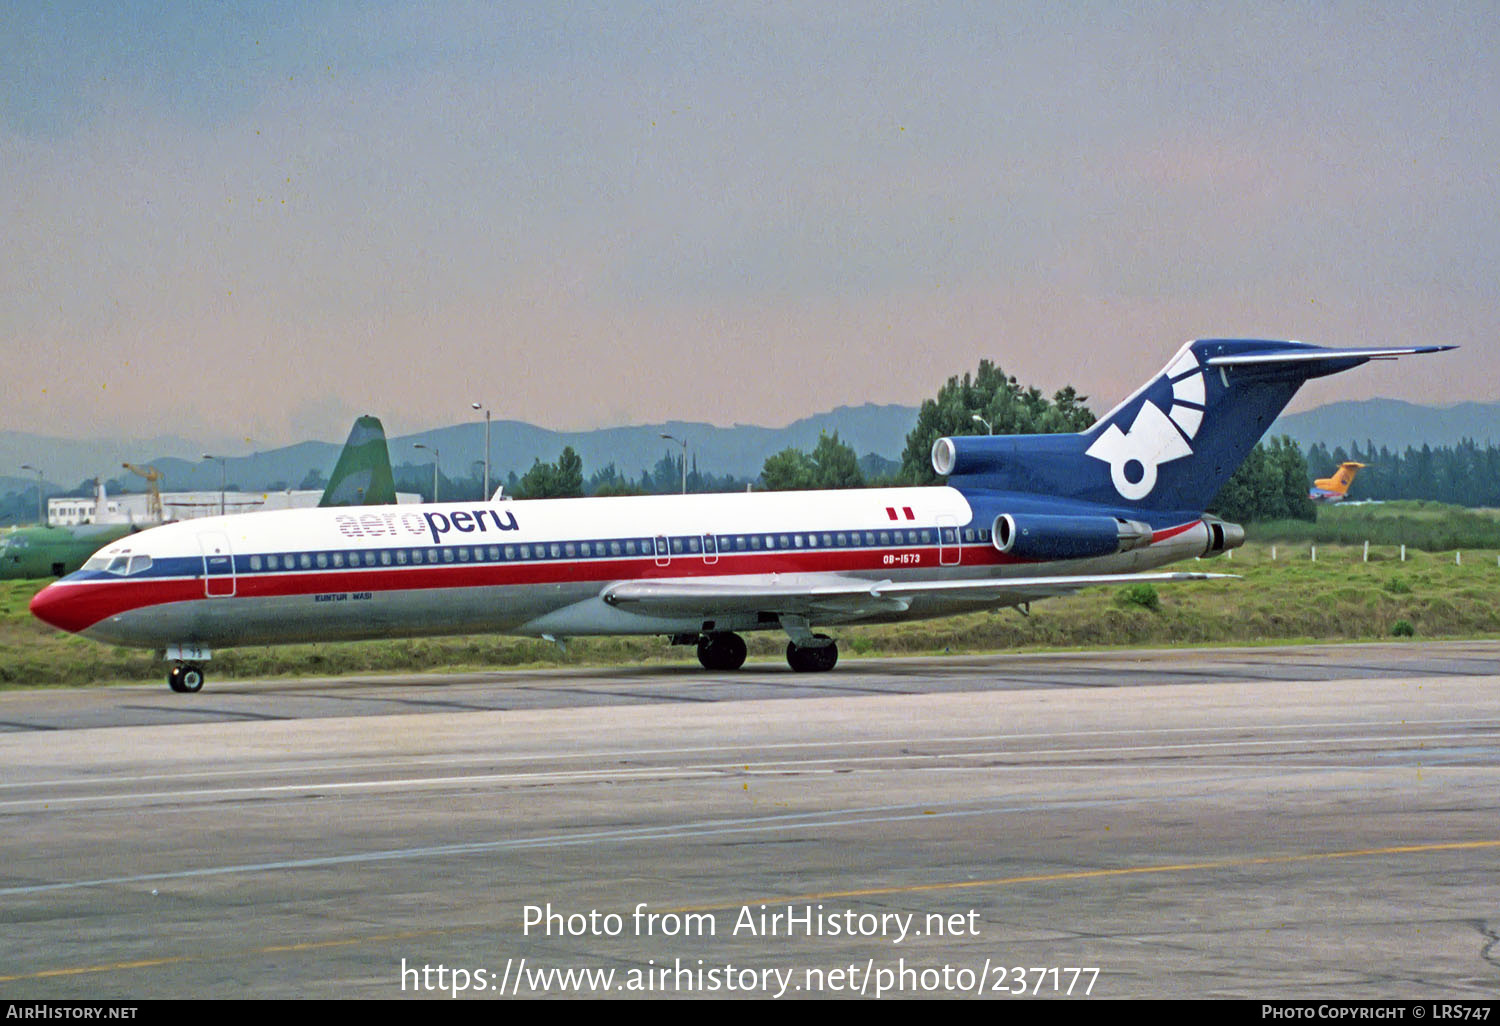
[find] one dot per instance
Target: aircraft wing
(811, 594)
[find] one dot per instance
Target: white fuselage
(537, 568)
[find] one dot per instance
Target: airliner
(1335, 488)
(1020, 518)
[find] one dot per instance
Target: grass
(1430, 526)
(1338, 597)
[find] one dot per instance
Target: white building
(131, 508)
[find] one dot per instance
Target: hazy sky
(259, 219)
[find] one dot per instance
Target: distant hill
(740, 450)
(1393, 424)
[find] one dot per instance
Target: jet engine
(1040, 536)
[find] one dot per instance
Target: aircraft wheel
(721, 651)
(811, 659)
(185, 678)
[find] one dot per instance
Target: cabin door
(218, 564)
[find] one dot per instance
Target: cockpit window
(138, 564)
(119, 564)
(96, 563)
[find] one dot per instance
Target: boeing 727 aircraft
(1020, 518)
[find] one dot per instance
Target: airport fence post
(1367, 550)
(1314, 556)
(1458, 558)
(1273, 553)
(1403, 552)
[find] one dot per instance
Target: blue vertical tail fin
(1172, 444)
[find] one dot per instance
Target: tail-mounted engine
(1222, 536)
(1039, 536)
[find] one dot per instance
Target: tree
(560, 480)
(832, 464)
(790, 470)
(1270, 485)
(1007, 407)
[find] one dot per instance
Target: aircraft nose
(58, 606)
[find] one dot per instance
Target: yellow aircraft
(1335, 488)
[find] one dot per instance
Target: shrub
(1140, 594)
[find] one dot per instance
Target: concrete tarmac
(1312, 823)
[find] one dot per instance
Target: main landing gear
(185, 678)
(813, 658)
(721, 651)
(806, 652)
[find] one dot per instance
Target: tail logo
(1155, 437)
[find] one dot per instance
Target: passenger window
(254, 562)
(585, 550)
(555, 549)
(785, 542)
(694, 545)
(338, 559)
(447, 555)
(322, 558)
(614, 548)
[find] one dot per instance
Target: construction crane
(153, 492)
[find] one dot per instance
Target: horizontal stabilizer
(1311, 354)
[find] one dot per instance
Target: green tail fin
(362, 476)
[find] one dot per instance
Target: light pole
(41, 517)
(980, 420)
(437, 457)
(221, 480)
(486, 496)
(682, 442)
